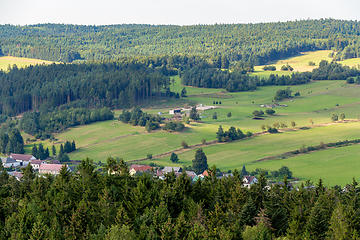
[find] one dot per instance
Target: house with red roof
(22, 158)
(249, 180)
(53, 169)
(17, 175)
(139, 168)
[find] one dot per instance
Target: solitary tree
(53, 150)
(334, 117)
(214, 116)
(200, 162)
(184, 144)
(311, 121)
(342, 116)
(243, 171)
(229, 115)
(270, 111)
(193, 114)
(183, 92)
(174, 158)
(293, 124)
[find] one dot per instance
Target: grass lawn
(20, 62)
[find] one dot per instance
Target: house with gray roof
(9, 162)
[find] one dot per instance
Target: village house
(139, 168)
(36, 164)
(22, 158)
(17, 175)
(170, 169)
(9, 162)
(249, 180)
(53, 169)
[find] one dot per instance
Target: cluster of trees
(86, 204)
(39, 152)
(137, 117)
(176, 126)
(281, 94)
(11, 141)
(114, 84)
(42, 124)
(269, 68)
(218, 44)
(286, 67)
(333, 70)
(230, 135)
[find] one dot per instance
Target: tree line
(204, 76)
(110, 204)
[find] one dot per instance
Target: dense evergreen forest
(257, 43)
(113, 84)
(89, 204)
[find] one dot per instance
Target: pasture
(317, 101)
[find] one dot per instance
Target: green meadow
(317, 101)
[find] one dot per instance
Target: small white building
(36, 163)
(9, 162)
(249, 180)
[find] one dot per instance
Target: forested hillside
(258, 43)
(110, 84)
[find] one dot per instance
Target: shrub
(184, 144)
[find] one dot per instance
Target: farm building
(9, 162)
(53, 169)
(175, 111)
(22, 158)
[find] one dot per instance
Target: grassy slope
(318, 101)
(20, 62)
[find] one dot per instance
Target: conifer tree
(200, 162)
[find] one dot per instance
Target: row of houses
(23, 160)
(161, 173)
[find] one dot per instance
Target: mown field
(317, 100)
(20, 62)
(300, 63)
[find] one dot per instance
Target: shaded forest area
(88, 204)
(93, 85)
(256, 43)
